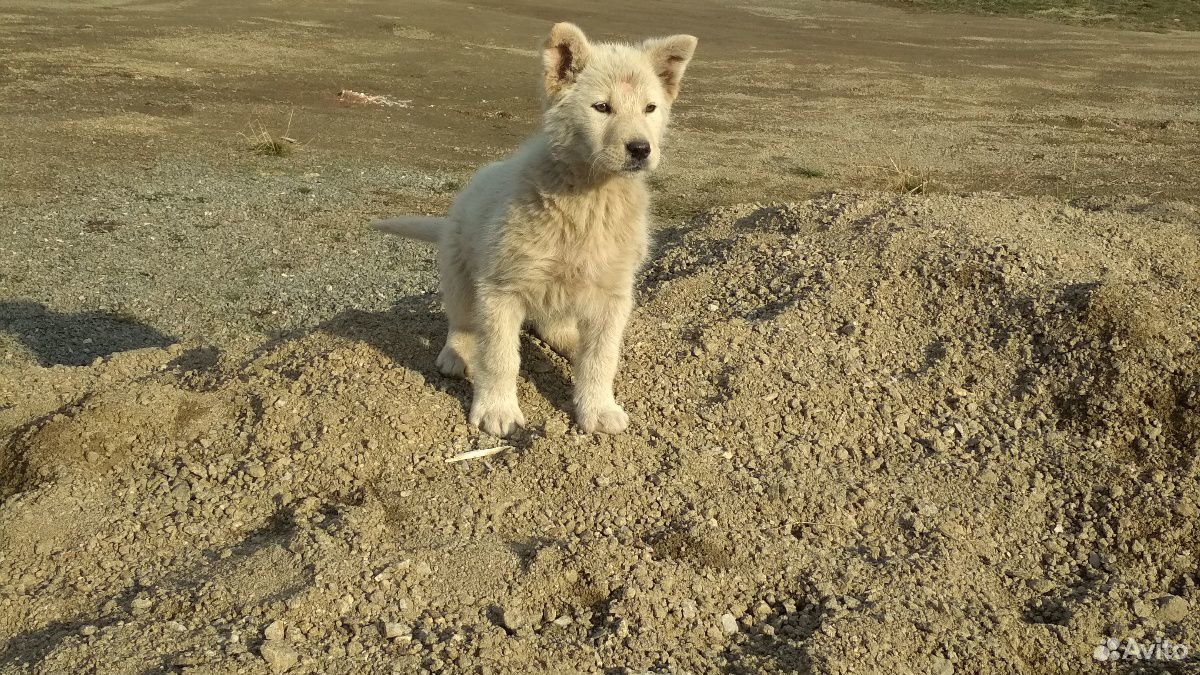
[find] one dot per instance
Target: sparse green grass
(1152, 15)
(805, 171)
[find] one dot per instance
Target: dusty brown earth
(945, 432)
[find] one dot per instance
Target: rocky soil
(937, 434)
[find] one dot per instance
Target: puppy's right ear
(564, 56)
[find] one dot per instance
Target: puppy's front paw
(610, 419)
(498, 418)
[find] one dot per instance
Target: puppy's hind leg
(458, 297)
(561, 333)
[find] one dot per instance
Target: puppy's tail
(425, 228)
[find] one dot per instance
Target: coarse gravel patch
(871, 433)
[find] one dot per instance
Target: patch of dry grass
(261, 141)
(904, 178)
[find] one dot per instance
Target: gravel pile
(871, 433)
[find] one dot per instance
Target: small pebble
(941, 666)
(512, 618)
(1171, 609)
(393, 630)
(279, 655)
(276, 631)
(555, 428)
(729, 624)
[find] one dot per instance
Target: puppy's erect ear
(670, 56)
(564, 56)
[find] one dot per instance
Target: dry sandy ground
(127, 189)
(950, 432)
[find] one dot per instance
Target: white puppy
(555, 233)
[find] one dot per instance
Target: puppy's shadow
(75, 339)
(412, 333)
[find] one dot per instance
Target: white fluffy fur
(554, 234)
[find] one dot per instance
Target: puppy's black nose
(638, 149)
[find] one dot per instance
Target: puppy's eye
(602, 106)
(651, 108)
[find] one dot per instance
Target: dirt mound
(872, 433)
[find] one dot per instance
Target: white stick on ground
(476, 454)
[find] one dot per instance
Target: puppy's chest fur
(562, 246)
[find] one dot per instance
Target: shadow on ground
(75, 339)
(210, 566)
(412, 332)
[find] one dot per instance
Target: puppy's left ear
(670, 56)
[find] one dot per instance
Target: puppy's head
(607, 105)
